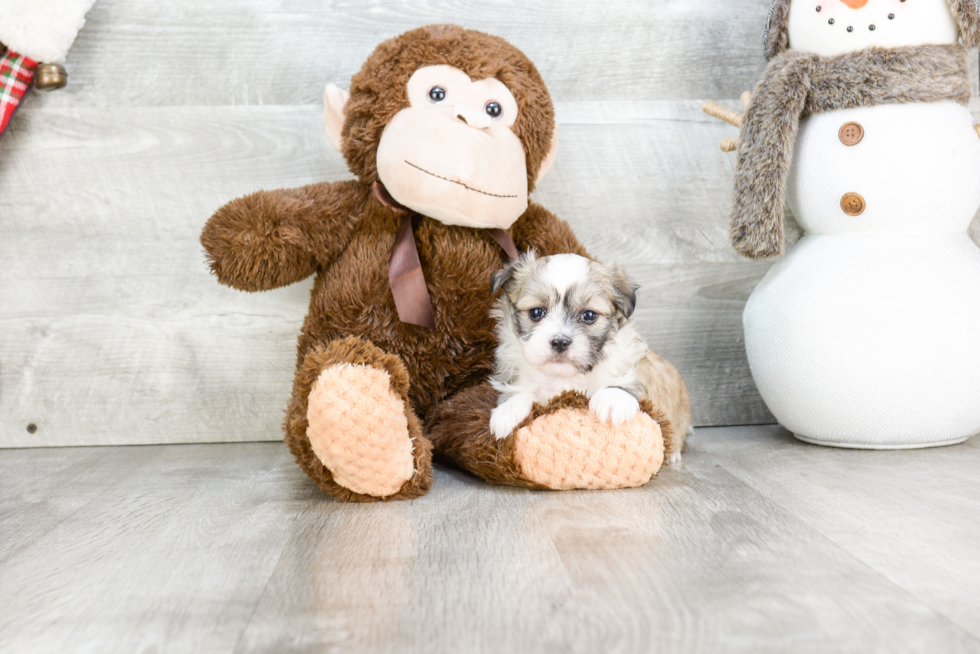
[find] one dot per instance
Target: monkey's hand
(613, 405)
(510, 413)
(274, 238)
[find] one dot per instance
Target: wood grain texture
(113, 331)
(755, 543)
(146, 53)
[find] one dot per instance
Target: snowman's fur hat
(776, 37)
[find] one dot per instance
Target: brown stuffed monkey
(447, 130)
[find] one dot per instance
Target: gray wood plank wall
(112, 330)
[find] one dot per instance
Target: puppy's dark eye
(493, 109)
(536, 314)
(437, 94)
(589, 317)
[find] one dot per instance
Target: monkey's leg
(351, 428)
(560, 446)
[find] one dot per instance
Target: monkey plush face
(456, 124)
(451, 154)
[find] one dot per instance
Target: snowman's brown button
(851, 133)
(852, 204)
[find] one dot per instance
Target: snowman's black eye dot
(830, 22)
(891, 16)
(819, 8)
(850, 28)
(871, 27)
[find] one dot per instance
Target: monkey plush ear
(334, 101)
(550, 157)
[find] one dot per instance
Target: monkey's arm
(540, 229)
(273, 238)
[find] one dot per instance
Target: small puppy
(563, 323)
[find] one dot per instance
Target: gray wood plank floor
(755, 543)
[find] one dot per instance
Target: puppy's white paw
(508, 415)
(613, 405)
(673, 458)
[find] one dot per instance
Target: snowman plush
(867, 333)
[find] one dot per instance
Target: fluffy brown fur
(797, 84)
(966, 13)
(776, 38)
(458, 430)
(341, 233)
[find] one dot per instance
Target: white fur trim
(42, 29)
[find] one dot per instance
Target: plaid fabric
(16, 74)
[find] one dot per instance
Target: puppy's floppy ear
(624, 291)
(506, 273)
(503, 276)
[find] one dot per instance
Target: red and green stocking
(16, 75)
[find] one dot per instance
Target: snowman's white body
(867, 334)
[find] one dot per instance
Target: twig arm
(720, 112)
(730, 117)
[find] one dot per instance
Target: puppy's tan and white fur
(563, 323)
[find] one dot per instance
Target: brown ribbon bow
(405, 269)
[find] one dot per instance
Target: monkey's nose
(855, 4)
(560, 343)
(472, 117)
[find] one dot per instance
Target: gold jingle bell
(49, 77)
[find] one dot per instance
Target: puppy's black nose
(560, 343)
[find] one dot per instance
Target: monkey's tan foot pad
(571, 448)
(359, 431)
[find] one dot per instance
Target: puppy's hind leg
(666, 391)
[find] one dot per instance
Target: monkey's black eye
(589, 317)
(536, 314)
(437, 94)
(493, 109)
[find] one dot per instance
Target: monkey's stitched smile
(468, 188)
